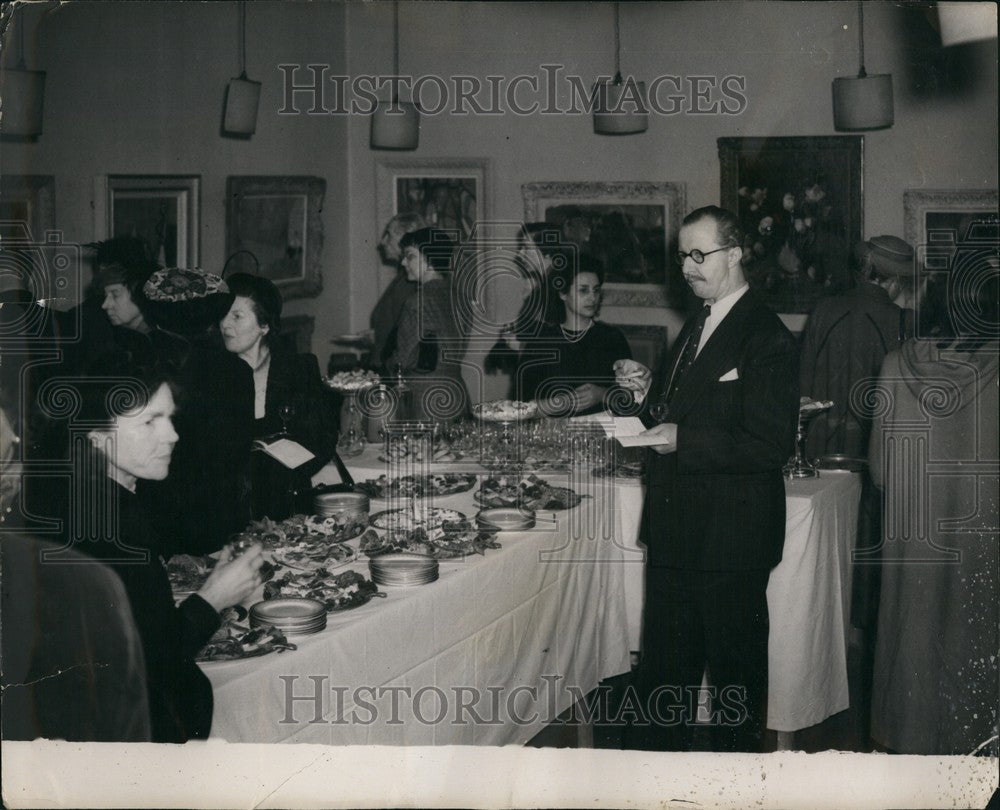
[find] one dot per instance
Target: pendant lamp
(239, 116)
(21, 94)
(862, 102)
(395, 123)
(620, 106)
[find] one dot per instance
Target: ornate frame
(795, 166)
(389, 171)
(38, 193)
(538, 197)
(918, 203)
(183, 190)
(307, 280)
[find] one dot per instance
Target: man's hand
(633, 376)
(667, 432)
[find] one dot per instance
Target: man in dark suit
(714, 516)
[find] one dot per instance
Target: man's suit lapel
(669, 367)
(716, 357)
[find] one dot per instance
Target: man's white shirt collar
(720, 309)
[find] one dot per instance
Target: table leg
(786, 740)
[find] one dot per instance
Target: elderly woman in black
(569, 365)
(131, 408)
(289, 395)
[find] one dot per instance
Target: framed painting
(630, 227)
(939, 222)
(799, 201)
(274, 229)
(27, 206)
(448, 194)
(161, 210)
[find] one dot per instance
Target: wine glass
(659, 410)
(286, 413)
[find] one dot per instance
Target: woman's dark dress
(292, 379)
(588, 359)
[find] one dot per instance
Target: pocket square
(730, 375)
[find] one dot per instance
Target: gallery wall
(137, 88)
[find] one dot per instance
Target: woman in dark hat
(289, 395)
(207, 496)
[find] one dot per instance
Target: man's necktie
(690, 350)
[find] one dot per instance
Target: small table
(808, 596)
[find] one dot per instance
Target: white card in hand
(630, 432)
(288, 452)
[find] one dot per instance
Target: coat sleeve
(407, 337)
(876, 459)
(761, 436)
(318, 424)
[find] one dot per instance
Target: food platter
(344, 591)
(352, 381)
(451, 541)
(417, 448)
(305, 539)
(235, 642)
(505, 410)
(417, 517)
(527, 493)
(416, 486)
(619, 470)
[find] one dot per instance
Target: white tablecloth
(500, 644)
(488, 654)
(809, 602)
(808, 598)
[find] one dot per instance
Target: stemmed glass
(659, 410)
(286, 413)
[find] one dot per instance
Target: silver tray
(838, 461)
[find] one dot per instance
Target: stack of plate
(506, 519)
(292, 616)
(403, 569)
(349, 504)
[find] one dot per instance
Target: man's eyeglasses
(696, 255)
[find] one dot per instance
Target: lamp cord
(618, 48)
(395, 40)
(861, 42)
(243, 39)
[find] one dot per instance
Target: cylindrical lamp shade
(862, 102)
(242, 100)
(967, 22)
(22, 93)
(621, 108)
(395, 125)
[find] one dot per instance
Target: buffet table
(503, 642)
(488, 654)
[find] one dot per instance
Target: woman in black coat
(289, 396)
(131, 408)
